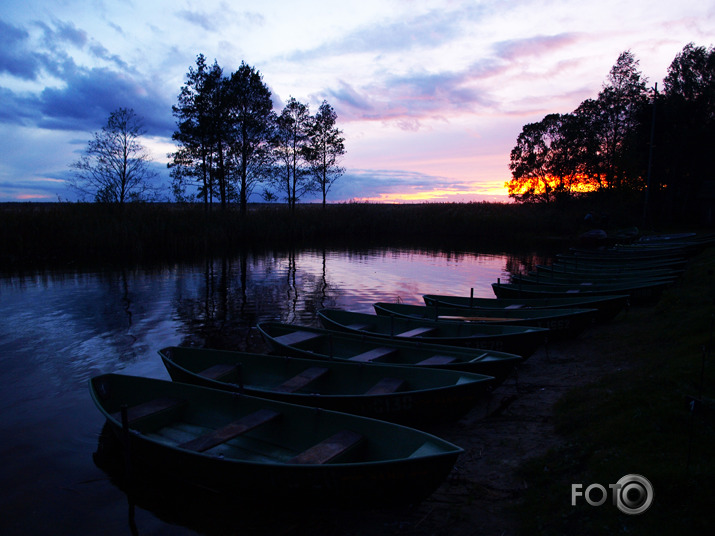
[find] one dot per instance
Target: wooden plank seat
(386, 386)
(231, 430)
(476, 318)
(372, 355)
(218, 371)
(299, 381)
(437, 360)
(151, 407)
(329, 449)
(417, 332)
(296, 337)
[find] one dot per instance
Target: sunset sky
(430, 95)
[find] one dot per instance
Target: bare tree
(115, 165)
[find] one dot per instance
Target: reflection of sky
(406, 276)
(70, 327)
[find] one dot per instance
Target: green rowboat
(263, 450)
(561, 323)
(407, 395)
(520, 340)
(607, 307)
(310, 342)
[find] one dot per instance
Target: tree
(115, 165)
(325, 147)
(531, 162)
(224, 126)
(199, 131)
(686, 128)
(619, 109)
(253, 119)
(599, 145)
(290, 149)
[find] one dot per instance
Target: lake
(61, 328)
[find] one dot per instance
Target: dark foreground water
(57, 330)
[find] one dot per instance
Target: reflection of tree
(232, 295)
(525, 262)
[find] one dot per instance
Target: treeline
(630, 139)
(230, 140)
(57, 235)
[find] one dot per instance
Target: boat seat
(152, 407)
(296, 337)
(437, 360)
(329, 449)
(386, 386)
(372, 355)
(494, 319)
(416, 332)
(218, 371)
(298, 381)
(228, 432)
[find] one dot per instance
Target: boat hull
(607, 307)
(421, 398)
(561, 323)
(328, 344)
(392, 465)
(520, 340)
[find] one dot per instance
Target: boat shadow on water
(202, 510)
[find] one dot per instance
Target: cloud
(540, 45)
(213, 21)
(16, 57)
(92, 94)
(62, 32)
(414, 97)
(79, 97)
(428, 30)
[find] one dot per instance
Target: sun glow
(540, 185)
(439, 196)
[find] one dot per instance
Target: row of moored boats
(338, 414)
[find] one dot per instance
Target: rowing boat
(561, 323)
(521, 340)
(588, 279)
(406, 395)
(607, 306)
(311, 342)
(638, 292)
(263, 450)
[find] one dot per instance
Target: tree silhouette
(251, 108)
(115, 165)
(325, 147)
(290, 148)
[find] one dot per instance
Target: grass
(638, 421)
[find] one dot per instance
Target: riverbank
(58, 235)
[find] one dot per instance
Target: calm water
(60, 329)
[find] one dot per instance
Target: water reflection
(59, 329)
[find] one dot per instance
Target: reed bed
(62, 233)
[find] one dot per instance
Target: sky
(431, 95)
